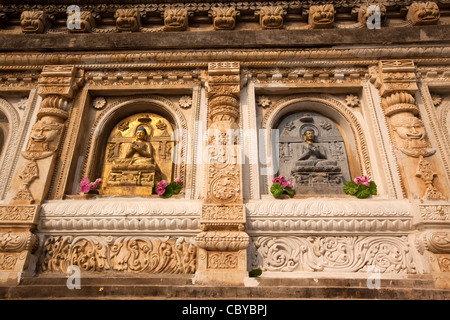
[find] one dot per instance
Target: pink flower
(366, 183)
(163, 184)
(290, 185)
(178, 180)
(357, 180)
(284, 183)
(364, 179)
(276, 180)
(84, 181)
(98, 182)
(160, 190)
(85, 188)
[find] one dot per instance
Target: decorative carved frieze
(127, 254)
(434, 213)
(12, 215)
(332, 254)
(327, 216)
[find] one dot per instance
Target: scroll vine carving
(342, 254)
(122, 254)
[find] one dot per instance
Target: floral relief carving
(333, 254)
(123, 254)
(7, 261)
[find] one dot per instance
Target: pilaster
(31, 182)
(222, 241)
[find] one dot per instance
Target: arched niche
(11, 136)
(120, 112)
(327, 107)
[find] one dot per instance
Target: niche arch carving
(11, 140)
(327, 106)
(116, 113)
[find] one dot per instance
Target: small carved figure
(321, 16)
(139, 152)
(33, 21)
(175, 19)
(271, 17)
(421, 13)
(128, 19)
(313, 155)
(224, 18)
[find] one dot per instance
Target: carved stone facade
(225, 96)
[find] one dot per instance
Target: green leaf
(176, 187)
(276, 189)
(363, 192)
(169, 192)
(255, 273)
(373, 188)
(350, 187)
(289, 191)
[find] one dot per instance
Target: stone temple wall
(225, 93)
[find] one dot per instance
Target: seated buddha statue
(313, 157)
(138, 155)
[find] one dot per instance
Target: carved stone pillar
(419, 166)
(31, 182)
(223, 242)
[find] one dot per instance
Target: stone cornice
(255, 39)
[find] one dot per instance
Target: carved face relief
(410, 128)
(423, 13)
(413, 136)
(224, 18)
(321, 16)
(127, 19)
(44, 140)
(271, 17)
(365, 12)
(87, 22)
(32, 21)
(175, 19)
